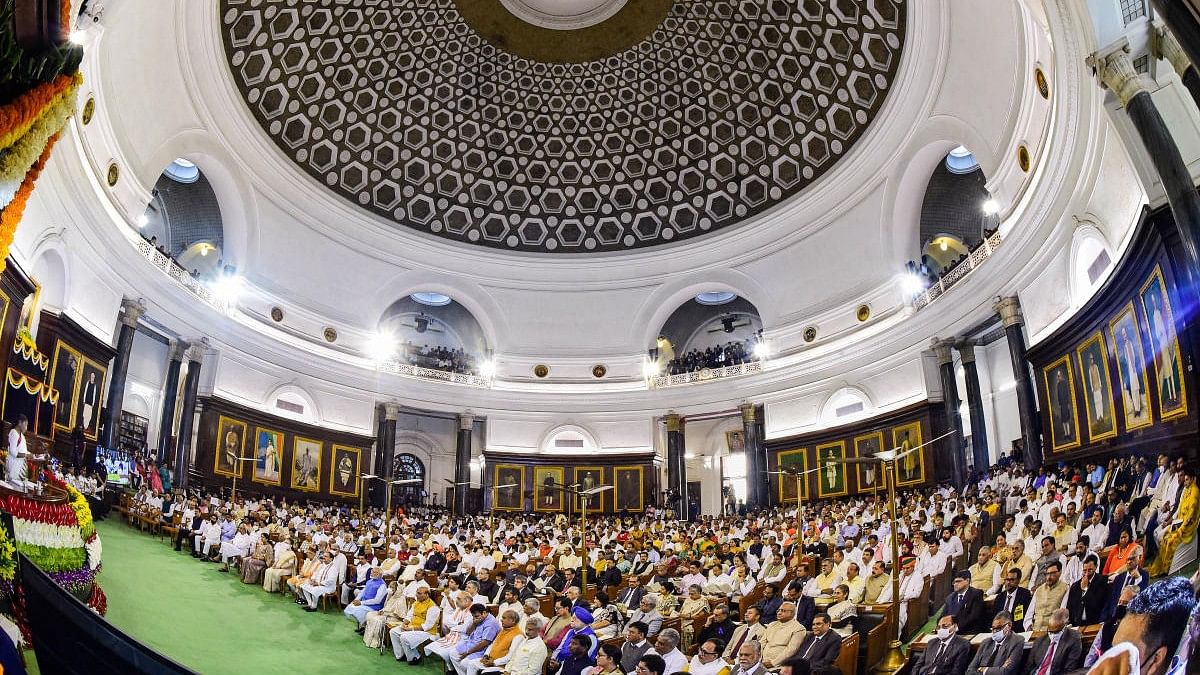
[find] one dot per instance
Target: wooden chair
(847, 660)
(171, 530)
(877, 645)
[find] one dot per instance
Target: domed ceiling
(663, 122)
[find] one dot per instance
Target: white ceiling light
(487, 368)
(227, 288)
(912, 284)
(761, 350)
(961, 161)
(715, 297)
(142, 221)
(991, 207)
(431, 299)
(381, 346)
(182, 171)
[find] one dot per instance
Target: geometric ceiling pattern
(725, 110)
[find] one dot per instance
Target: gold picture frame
(1092, 356)
(229, 449)
(1058, 379)
(261, 473)
(862, 448)
(1126, 340)
(595, 502)
(546, 496)
(344, 471)
(91, 429)
(66, 388)
(509, 499)
(629, 482)
(831, 478)
(1163, 320)
(305, 464)
(904, 437)
(786, 483)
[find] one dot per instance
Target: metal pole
(895, 657)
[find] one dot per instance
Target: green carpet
(213, 623)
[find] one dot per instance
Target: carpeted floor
(213, 623)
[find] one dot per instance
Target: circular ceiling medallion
(863, 313)
(541, 370)
(721, 111)
(810, 333)
(599, 370)
(276, 314)
(331, 334)
(563, 14)
(89, 110)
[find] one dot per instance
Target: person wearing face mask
(1088, 597)
(946, 655)
(1059, 651)
(1002, 654)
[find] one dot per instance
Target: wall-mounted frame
(831, 478)
(1092, 358)
(268, 457)
(547, 496)
(588, 477)
(344, 471)
(1059, 381)
(910, 470)
(868, 475)
(1126, 340)
(787, 484)
(509, 499)
(1164, 343)
(629, 481)
(229, 447)
(64, 377)
(306, 464)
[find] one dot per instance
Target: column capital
(132, 310)
(391, 411)
(966, 351)
(197, 349)
(674, 422)
(1009, 309)
(1165, 46)
(177, 349)
(466, 421)
(942, 349)
(1116, 72)
(749, 412)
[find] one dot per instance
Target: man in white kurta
(323, 582)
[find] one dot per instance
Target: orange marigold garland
(11, 215)
(19, 115)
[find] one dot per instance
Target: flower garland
(25, 346)
(8, 557)
(17, 380)
(83, 513)
(11, 215)
(19, 115)
(16, 159)
(54, 559)
(39, 512)
(47, 535)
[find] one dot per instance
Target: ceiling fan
(423, 323)
(729, 323)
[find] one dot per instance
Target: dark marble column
(676, 467)
(191, 391)
(375, 486)
(943, 350)
(462, 463)
(1182, 22)
(1163, 45)
(1009, 310)
(166, 425)
(756, 459)
(132, 311)
(979, 441)
(1119, 75)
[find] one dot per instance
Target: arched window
(408, 467)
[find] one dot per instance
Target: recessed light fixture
(182, 171)
(431, 299)
(961, 161)
(715, 297)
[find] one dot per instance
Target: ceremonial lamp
(888, 459)
(583, 520)
(238, 472)
(492, 511)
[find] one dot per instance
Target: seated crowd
(718, 356)
(1045, 558)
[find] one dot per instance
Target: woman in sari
(1180, 535)
(842, 612)
(260, 559)
(1120, 554)
(393, 611)
(283, 567)
(556, 628)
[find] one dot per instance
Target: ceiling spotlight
(488, 368)
(381, 346)
(227, 288)
(944, 246)
(761, 350)
(912, 284)
(991, 207)
(142, 221)
(650, 369)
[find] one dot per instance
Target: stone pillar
(375, 488)
(943, 349)
(132, 311)
(387, 451)
(676, 467)
(462, 462)
(191, 390)
(1164, 46)
(757, 489)
(166, 426)
(1009, 310)
(979, 442)
(1182, 22)
(1118, 74)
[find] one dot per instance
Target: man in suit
(1059, 651)
(1001, 655)
(947, 655)
(1131, 575)
(635, 645)
(747, 632)
(966, 604)
(822, 646)
(1088, 597)
(768, 606)
(631, 595)
(1014, 599)
(749, 660)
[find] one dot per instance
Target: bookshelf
(132, 438)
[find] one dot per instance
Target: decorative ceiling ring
(506, 24)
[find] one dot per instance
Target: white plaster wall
(146, 379)
(705, 441)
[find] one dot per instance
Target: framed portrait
(868, 475)
(229, 447)
(735, 441)
(589, 477)
(792, 459)
(509, 498)
(87, 397)
(306, 464)
(64, 374)
(547, 496)
(831, 478)
(1092, 356)
(1126, 341)
(343, 478)
(1060, 397)
(629, 488)
(910, 469)
(268, 456)
(1160, 332)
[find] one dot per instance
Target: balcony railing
(706, 375)
(957, 273)
(408, 370)
(172, 269)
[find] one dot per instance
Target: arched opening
(183, 220)
(715, 329)
(50, 271)
(432, 330)
(957, 214)
(845, 405)
(1090, 262)
(408, 467)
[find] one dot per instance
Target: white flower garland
(46, 535)
(94, 550)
